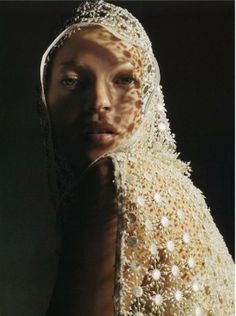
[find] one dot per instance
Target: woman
(137, 236)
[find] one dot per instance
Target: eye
(70, 82)
(125, 80)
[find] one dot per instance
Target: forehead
(99, 41)
(100, 35)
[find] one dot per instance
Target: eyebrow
(68, 63)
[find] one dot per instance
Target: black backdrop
(194, 45)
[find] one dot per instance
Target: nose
(100, 97)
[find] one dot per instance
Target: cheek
(130, 102)
(130, 122)
(64, 113)
(128, 113)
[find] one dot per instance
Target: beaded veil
(171, 258)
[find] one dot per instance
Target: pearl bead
(198, 311)
(161, 126)
(180, 214)
(164, 221)
(170, 245)
(191, 262)
(156, 274)
(195, 286)
(158, 299)
(178, 295)
(157, 197)
(186, 238)
(153, 249)
(148, 225)
(137, 291)
(175, 270)
(140, 200)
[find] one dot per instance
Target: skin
(94, 88)
(85, 277)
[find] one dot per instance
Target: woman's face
(94, 94)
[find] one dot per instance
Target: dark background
(194, 45)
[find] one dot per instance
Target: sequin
(157, 197)
(170, 245)
(191, 262)
(120, 158)
(186, 238)
(132, 241)
(175, 270)
(198, 311)
(156, 274)
(149, 68)
(195, 286)
(137, 291)
(146, 89)
(207, 261)
(171, 192)
(133, 159)
(159, 87)
(161, 126)
(131, 179)
(160, 107)
(135, 266)
(180, 214)
(132, 217)
(178, 295)
(147, 176)
(140, 200)
(158, 299)
(153, 249)
(148, 225)
(165, 221)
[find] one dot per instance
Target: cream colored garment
(171, 259)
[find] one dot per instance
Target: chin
(84, 156)
(92, 155)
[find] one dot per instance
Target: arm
(88, 247)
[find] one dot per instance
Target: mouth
(102, 134)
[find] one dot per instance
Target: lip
(100, 133)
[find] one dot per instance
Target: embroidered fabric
(171, 258)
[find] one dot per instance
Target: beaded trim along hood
(171, 258)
